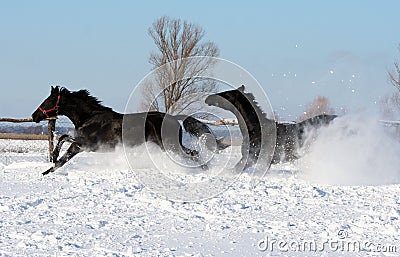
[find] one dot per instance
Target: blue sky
(295, 49)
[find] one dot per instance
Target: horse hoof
(192, 153)
(204, 167)
(48, 171)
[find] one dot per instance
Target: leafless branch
(394, 77)
(176, 40)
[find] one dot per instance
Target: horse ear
(241, 88)
(55, 90)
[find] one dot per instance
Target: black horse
(253, 121)
(99, 127)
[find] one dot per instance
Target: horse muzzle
(210, 100)
(37, 116)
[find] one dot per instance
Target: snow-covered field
(342, 198)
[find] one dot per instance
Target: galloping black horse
(99, 127)
(289, 137)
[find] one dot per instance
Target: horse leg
(61, 141)
(73, 150)
(244, 163)
(193, 154)
(250, 153)
(189, 152)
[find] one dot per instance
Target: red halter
(55, 108)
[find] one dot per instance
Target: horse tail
(313, 123)
(198, 128)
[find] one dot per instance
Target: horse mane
(85, 96)
(252, 100)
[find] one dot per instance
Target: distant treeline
(33, 130)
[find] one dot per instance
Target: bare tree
(320, 105)
(390, 105)
(176, 86)
(394, 77)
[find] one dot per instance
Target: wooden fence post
(50, 129)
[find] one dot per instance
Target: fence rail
(19, 136)
(230, 122)
(390, 123)
(16, 120)
(50, 133)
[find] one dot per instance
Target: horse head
(49, 107)
(228, 100)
